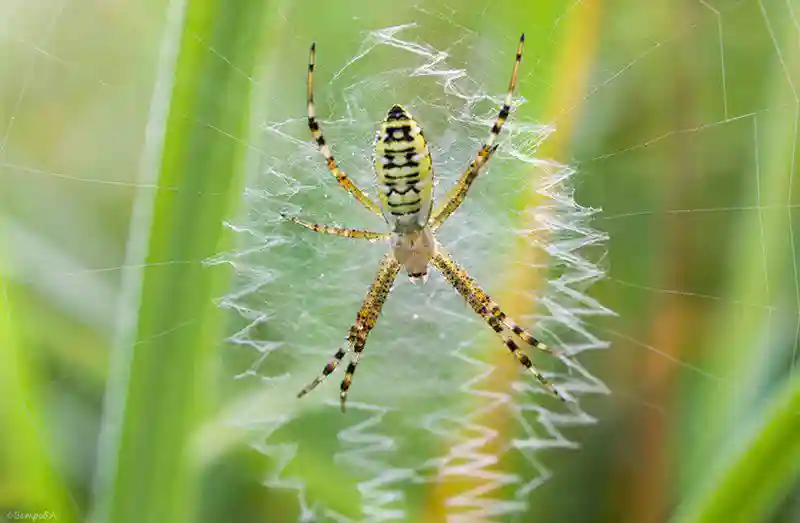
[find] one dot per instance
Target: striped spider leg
(365, 321)
(490, 311)
(316, 132)
(458, 193)
(358, 234)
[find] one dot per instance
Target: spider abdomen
(404, 172)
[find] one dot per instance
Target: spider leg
(524, 335)
(458, 193)
(316, 132)
(482, 304)
(358, 234)
(368, 317)
(327, 370)
(365, 321)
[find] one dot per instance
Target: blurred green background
(125, 134)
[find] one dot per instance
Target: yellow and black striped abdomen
(404, 170)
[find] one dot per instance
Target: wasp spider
(405, 188)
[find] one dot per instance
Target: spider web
(426, 380)
(429, 345)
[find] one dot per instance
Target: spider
(405, 189)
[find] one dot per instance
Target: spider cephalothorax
(405, 189)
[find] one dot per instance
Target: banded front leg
(319, 138)
(459, 192)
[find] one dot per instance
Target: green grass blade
(158, 389)
(749, 346)
(29, 482)
(759, 474)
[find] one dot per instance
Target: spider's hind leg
(521, 356)
(524, 335)
(365, 321)
(483, 305)
(368, 317)
(329, 367)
